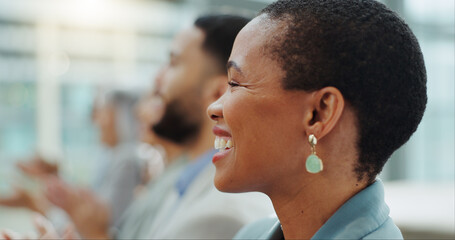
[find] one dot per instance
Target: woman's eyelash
(233, 84)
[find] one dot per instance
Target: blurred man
(195, 77)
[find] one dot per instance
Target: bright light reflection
(87, 12)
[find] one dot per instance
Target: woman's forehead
(256, 37)
(249, 51)
(255, 33)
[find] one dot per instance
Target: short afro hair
(220, 32)
(368, 53)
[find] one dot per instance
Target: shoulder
(258, 229)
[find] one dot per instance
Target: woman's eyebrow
(232, 64)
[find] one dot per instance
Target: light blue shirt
(364, 216)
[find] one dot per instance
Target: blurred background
(54, 55)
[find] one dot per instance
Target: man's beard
(181, 121)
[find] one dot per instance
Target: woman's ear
(326, 107)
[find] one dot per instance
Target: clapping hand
(23, 198)
(89, 214)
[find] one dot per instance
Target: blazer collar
(359, 216)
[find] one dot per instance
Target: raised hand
(38, 167)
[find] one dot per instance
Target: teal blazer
(364, 216)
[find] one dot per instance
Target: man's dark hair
(368, 53)
(220, 32)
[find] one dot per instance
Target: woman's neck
(303, 212)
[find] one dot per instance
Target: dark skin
(269, 124)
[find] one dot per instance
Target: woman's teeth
(222, 144)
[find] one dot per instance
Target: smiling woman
(307, 75)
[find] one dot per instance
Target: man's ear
(325, 108)
(215, 88)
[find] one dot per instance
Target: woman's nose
(215, 110)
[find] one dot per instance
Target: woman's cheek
(233, 114)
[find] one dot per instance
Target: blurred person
(117, 174)
(141, 213)
(118, 171)
(195, 77)
(321, 93)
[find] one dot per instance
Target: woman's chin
(225, 185)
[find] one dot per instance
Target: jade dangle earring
(313, 162)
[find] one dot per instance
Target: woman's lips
(220, 155)
(220, 132)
